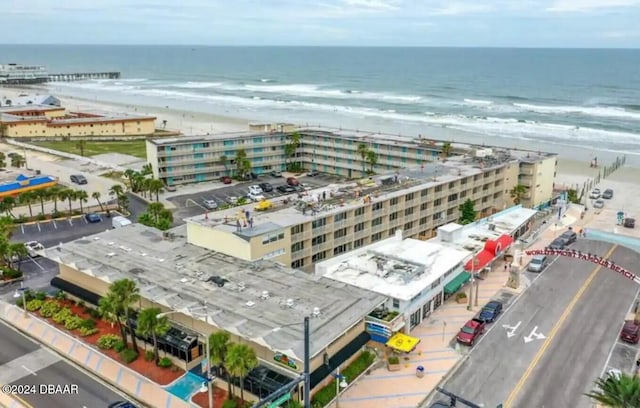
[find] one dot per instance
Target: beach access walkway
(86, 357)
(437, 351)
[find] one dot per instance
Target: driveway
(190, 205)
(52, 233)
(555, 337)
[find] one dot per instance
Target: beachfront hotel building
(262, 303)
(416, 276)
(47, 121)
(193, 159)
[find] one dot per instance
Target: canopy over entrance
(457, 282)
(402, 342)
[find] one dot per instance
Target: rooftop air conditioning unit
(492, 227)
(316, 312)
(290, 303)
(241, 286)
(250, 304)
(264, 295)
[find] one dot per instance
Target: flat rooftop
(472, 237)
(29, 108)
(342, 196)
(395, 267)
(256, 300)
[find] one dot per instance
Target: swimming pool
(185, 386)
(624, 240)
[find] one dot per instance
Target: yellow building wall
(115, 128)
(544, 176)
(511, 172)
(217, 240)
(260, 250)
(152, 158)
(55, 113)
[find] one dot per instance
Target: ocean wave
(600, 111)
(478, 102)
(197, 85)
(267, 80)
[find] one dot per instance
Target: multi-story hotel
(207, 158)
(330, 221)
(43, 121)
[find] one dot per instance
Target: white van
(119, 222)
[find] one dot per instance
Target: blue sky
(519, 23)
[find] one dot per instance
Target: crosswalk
(27, 364)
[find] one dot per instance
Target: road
(26, 363)
(521, 351)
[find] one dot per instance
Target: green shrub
(357, 367)
(87, 331)
(461, 295)
(393, 360)
(62, 315)
(57, 214)
(41, 295)
(61, 295)
(9, 273)
(41, 217)
(128, 355)
(80, 303)
(88, 324)
(119, 345)
(49, 308)
(73, 322)
(165, 362)
(21, 219)
(149, 355)
(95, 313)
(229, 404)
(34, 305)
(107, 341)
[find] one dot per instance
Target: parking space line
(37, 264)
(85, 220)
(70, 222)
(615, 344)
(22, 228)
(39, 229)
(55, 225)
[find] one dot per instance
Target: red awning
(497, 246)
(505, 240)
(482, 259)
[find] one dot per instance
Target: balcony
(391, 319)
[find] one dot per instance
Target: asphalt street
(576, 356)
(190, 205)
(498, 361)
(31, 370)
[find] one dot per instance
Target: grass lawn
(135, 148)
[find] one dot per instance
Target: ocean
(582, 102)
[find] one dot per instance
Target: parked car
(225, 180)
(595, 194)
(558, 243)
(209, 204)
(255, 189)
(266, 187)
(537, 263)
(119, 222)
(276, 173)
(78, 179)
(34, 248)
(263, 205)
(629, 223)
(608, 194)
(255, 197)
(292, 181)
(170, 189)
(285, 189)
(233, 200)
(490, 311)
(471, 331)
(630, 332)
(313, 173)
(122, 404)
(599, 203)
(569, 237)
(92, 217)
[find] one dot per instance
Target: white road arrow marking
(533, 335)
(511, 330)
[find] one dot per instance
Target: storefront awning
(456, 283)
(403, 343)
(492, 248)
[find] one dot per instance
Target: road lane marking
(35, 262)
(554, 331)
(533, 335)
(33, 373)
(511, 330)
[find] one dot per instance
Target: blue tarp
(23, 182)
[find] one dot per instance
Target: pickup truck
(470, 332)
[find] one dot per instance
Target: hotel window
(450, 211)
(423, 207)
(438, 188)
(452, 197)
(358, 243)
(437, 202)
(376, 207)
(463, 194)
(396, 303)
(408, 226)
(298, 246)
(437, 216)
(319, 256)
(408, 211)
(359, 211)
(436, 283)
(409, 197)
(423, 220)
(340, 217)
(394, 201)
(319, 239)
(424, 193)
(463, 181)
(376, 221)
(342, 232)
(297, 264)
(358, 227)
(452, 184)
(319, 223)
(297, 229)
(394, 216)
(376, 237)
(273, 237)
(341, 249)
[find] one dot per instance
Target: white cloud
(561, 6)
(455, 9)
(372, 5)
(621, 34)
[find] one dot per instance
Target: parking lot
(190, 205)
(51, 233)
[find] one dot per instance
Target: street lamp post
(341, 382)
(208, 357)
(22, 291)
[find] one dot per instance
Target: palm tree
(363, 150)
(446, 150)
(41, 195)
(224, 160)
(127, 293)
(117, 191)
(154, 210)
(109, 307)
(7, 204)
(3, 159)
(17, 161)
(150, 325)
(17, 250)
(240, 360)
(517, 193)
(617, 391)
(241, 157)
(146, 170)
(82, 197)
(69, 195)
(372, 159)
(54, 194)
(27, 198)
(96, 196)
(155, 187)
(129, 174)
(80, 145)
(219, 344)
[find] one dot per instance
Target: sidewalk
(130, 382)
(438, 352)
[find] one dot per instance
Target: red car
(470, 332)
(292, 181)
(630, 332)
(225, 180)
